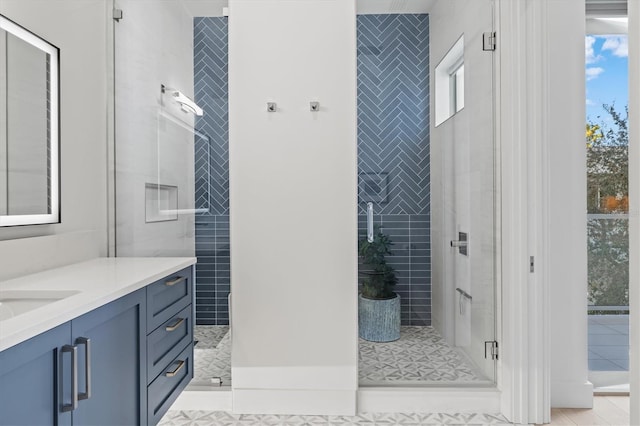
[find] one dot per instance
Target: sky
(607, 74)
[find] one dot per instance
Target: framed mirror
(29, 128)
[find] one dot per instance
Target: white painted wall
(3, 125)
(634, 217)
(293, 206)
(154, 46)
(567, 222)
(78, 28)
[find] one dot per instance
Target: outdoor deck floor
(608, 342)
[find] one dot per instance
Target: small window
(456, 87)
(449, 81)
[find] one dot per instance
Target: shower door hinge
(117, 15)
(491, 348)
(489, 41)
(532, 264)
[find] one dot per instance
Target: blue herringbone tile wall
(212, 171)
(393, 153)
(393, 148)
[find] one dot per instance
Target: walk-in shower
(423, 185)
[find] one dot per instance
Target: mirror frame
(54, 131)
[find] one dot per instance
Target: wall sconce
(185, 102)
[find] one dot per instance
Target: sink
(16, 302)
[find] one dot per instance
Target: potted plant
(378, 304)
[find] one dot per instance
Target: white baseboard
(301, 402)
(429, 400)
(369, 400)
(212, 399)
(571, 395)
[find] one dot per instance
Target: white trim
(292, 377)
(634, 220)
(335, 402)
(54, 130)
(428, 400)
(445, 107)
(211, 399)
(521, 134)
(571, 394)
(111, 129)
(369, 400)
(607, 26)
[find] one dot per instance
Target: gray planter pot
(379, 320)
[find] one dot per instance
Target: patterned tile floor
(212, 355)
(193, 418)
(420, 356)
(208, 336)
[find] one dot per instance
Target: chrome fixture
(272, 107)
(462, 243)
(370, 222)
(185, 102)
(463, 295)
(314, 106)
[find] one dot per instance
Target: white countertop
(98, 282)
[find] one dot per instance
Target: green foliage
(608, 162)
(608, 260)
(607, 192)
(376, 277)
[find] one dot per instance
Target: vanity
(107, 341)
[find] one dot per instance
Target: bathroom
(394, 151)
(142, 177)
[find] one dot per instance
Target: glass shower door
(433, 188)
(469, 198)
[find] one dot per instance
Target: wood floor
(607, 410)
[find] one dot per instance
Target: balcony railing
(608, 296)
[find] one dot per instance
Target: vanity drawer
(164, 390)
(167, 297)
(167, 341)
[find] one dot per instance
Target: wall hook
(272, 107)
(314, 106)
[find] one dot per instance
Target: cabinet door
(113, 357)
(30, 392)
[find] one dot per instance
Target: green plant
(376, 276)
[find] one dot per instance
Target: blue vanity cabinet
(109, 345)
(30, 392)
(111, 342)
(131, 359)
(169, 341)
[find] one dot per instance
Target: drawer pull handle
(174, 372)
(174, 281)
(74, 379)
(176, 325)
(87, 367)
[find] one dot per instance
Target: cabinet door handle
(174, 372)
(87, 367)
(176, 325)
(174, 281)
(74, 379)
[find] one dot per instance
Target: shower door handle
(370, 222)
